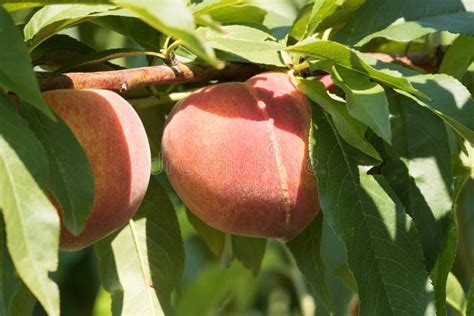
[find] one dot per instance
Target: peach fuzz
(237, 156)
(116, 145)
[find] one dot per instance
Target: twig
(123, 80)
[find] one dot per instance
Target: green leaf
(458, 57)
(306, 250)
(239, 14)
(230, 11)
(331, 14)
(205, 295)
(351, 59)
(445, 96)
(16, 70)
(458, 22)
(51, 19)
(321, 9)
(450, 100)
(133, 28)
(249, 251)
(244, 43)
(32, 222)
(214, 239)
(143, 263)
(405, 20)
(470, 299)
(9, 281)
(14, 5)
(366, 100)
(173, 18)
(95, 58)
(382, 246)
(70, 177)
(59, 50)
(422, 178)
(446, 259)
(211, 6)
(23, 303)
(455, 295)
(440, 272)
(351, 130)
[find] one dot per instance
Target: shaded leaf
(16, 70)
(214, 239)
(94, 58)
(23, 303)
(249, 251)
(383, 250)
(70, 177)
(450, 100)
(470, 299)
(133, 28)
(9, 281)
(306, 250)
(59, 50)
(422, 178)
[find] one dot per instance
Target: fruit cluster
(236, 154)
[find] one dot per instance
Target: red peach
(237, 155)
(116, 145)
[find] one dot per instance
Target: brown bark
(123, 80)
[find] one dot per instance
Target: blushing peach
(237, 155)
(116, 145)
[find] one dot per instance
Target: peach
(116, 145)
(237, 156)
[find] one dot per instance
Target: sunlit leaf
(406, 20)
(173, 18)
(366, 100)
(32, 222)
(345, 57)
(141, 265)
(243, 43)
(383, 249)
(350, 129)
(458, 57)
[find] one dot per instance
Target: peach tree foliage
(391, 146)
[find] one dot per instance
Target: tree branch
(123, 80)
